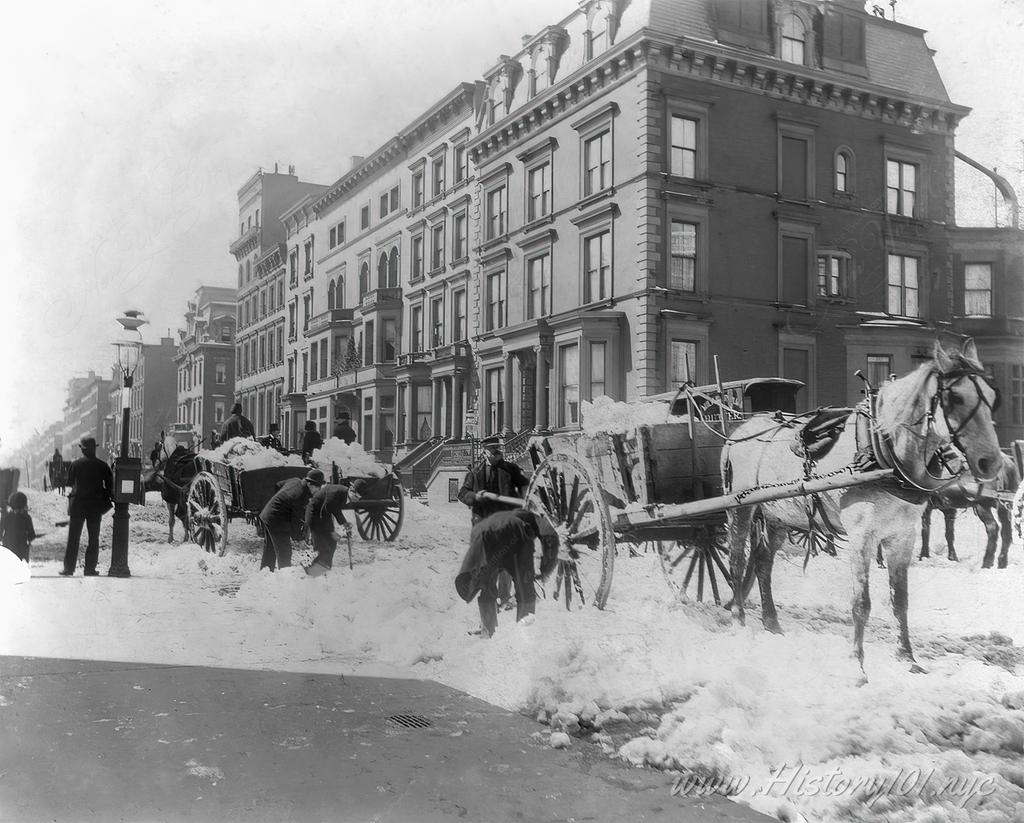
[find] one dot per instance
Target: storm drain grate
(410, 721)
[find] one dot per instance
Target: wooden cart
(220, 493)
(659, 487)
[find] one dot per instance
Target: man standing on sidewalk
(286, 508)
(92, 485)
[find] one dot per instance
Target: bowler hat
(236, 409)
(315, 477)
(87, 442)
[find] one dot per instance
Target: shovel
(348, 540)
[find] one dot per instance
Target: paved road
(107, 741)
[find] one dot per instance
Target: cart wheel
(384, 522)
(699, 565)
(207, 514)
(564, 491)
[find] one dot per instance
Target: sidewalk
(105, 741)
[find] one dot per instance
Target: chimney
(291, 170)
(354, 161)
(275, 168)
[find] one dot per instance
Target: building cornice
(246, 243)
(271, 260)
(458, 100)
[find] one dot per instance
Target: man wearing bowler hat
(285, 510)
(92, 485)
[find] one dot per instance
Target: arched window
(364, 279)
(844, 171)
(382, 271)
(330, 295)
(792, 35)
(339, 293)
(393, 268)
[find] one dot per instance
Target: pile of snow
(243, 453)
(609, 416)
(12, 570)
(781, 723)
(351, 459)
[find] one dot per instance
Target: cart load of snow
(350, 458)
(245, 454)
(607, 416)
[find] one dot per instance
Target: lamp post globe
(127, 470)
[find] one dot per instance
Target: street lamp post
(125, 467)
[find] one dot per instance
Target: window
(417, 189)
(569, 385)
(683, 361)
(900, 187)
(541, 77)
(597, 163)
(497, 212)
(879, 367)
(1017, 394)
(331, 289)
(368, 348)
(597, 35)
(416, 329)
(791, 39)
(307, 310)
(220, 374)
(538, 286)
(459, 249)
(280, 344)
(416, 258)
(903, 289)
(459, 316)
(495, 301)
(743, 22)
(460, 165)
(332, 237)
(437, 177)
(978, 289)
(382, 271)
(323, 358)
(293, 311)
(364, 217)
(538, 196)
(683, 274)
(598, 368)
(393, 268)
(218, 412)
(437, 322)
(384, 205)
(437, 247)
(313, 361)
(424, 403)
(389, 341)
(395, 198)
(307, 268)
(843, 41)
(833, 271)
(495, 401)
(293, 267)
(796, 241)
(844, 171)
(263, 303)
(794, 170)
(683, 148)
(364, 279)
(597, 268)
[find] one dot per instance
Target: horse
(173, 479)
(993, 513)
(914, 420)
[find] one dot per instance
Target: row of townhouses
(643, 185)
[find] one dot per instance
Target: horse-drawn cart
(220, 492)
(660, 486)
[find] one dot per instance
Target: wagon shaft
(633, 520)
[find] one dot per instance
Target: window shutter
(754, 16)
(833, 44)
(728, 13)
(794, 168)
(853, 39)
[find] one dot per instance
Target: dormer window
(540, 76)
(742, 23)
(791, 39)
(602, 21)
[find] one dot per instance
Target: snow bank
(243, 453)
(351, 459)
(609, 416)
(12, 570)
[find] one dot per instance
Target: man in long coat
(237, 425)
(325, 506)
(286, 508)
(504, 542)
(92, 485)
(496, 475)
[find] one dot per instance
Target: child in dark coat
(17, 531)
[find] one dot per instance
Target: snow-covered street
(778, 721)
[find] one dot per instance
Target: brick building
(639, 187)
(153, 400)
(86, 408)
(205, 362)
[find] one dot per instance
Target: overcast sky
(129, 127)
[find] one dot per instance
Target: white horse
(946, 402)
